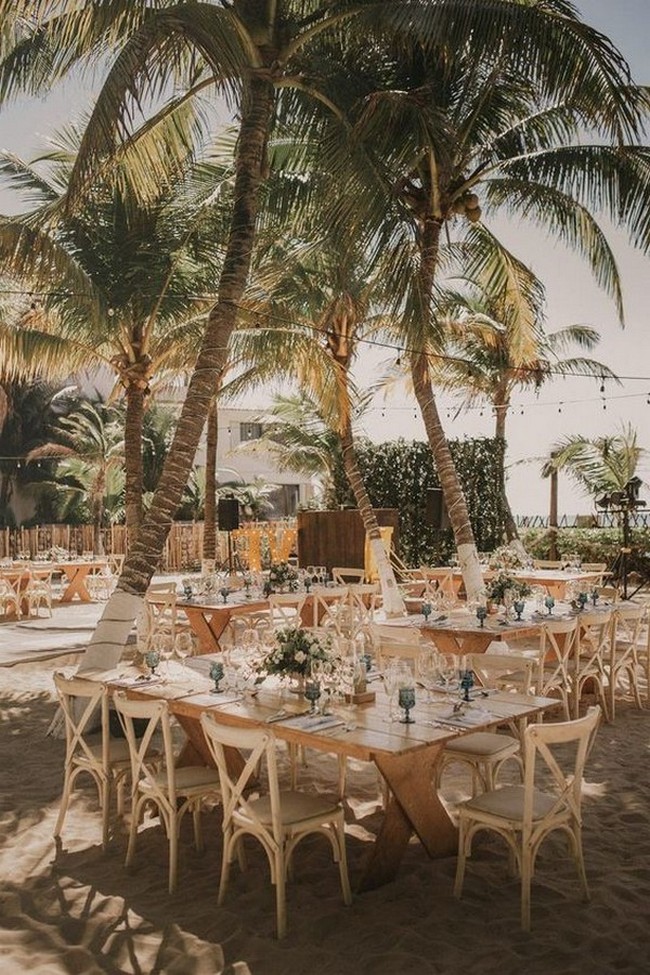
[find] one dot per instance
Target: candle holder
(217, 674)
(406, 700)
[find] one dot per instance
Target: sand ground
(81, 912)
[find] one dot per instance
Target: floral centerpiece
(497, 589)
(282, 577)
(295, 651)
(505, 559)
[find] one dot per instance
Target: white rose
(300, 657)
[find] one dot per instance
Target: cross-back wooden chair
(279, 820)
(105, 759)
(525, 815)
(595, 635)
(629, 621)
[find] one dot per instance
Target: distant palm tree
(90, 447)
(599, 465)
(494, 342)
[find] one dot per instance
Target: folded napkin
(467, 719)
(208, 700)
(312, 722)
(141, 680)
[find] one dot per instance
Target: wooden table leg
(76, 579)
(208, 626)
(414, 806)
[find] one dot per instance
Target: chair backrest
(388, 650)
(82, 703)
(629, 619)
(547, 564)
(558, 643)
(595, 634)
(260, 746)
(116, 564)
(331, 608)
(156, 715)
(540, 741)
(507, 671)
(161, 587)
(161, 611)
(286, 608)
(384, 633)
(343, 575)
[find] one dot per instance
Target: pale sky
(572, 298)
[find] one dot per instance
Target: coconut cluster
(468, 205)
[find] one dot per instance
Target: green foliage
(397, 474)
(591, 544)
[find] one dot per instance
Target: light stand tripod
(623, 503)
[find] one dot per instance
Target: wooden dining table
(210, 616)
(406, 755)
(76, 574)
(460, 631)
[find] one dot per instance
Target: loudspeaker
(435, 513)
(228, 514)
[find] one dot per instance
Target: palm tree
(127, 284)
(599, 465)
(90, 444)
(325, 294)
(494, 343)
(446, 128)
(273, 57)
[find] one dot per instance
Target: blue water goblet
(594, 596)
(583, 599)
(481, 615)
(152, 659)
(224, 591)
(216, 674)
(549, 602)
(426, 611)
(406, 700)
(187, 591)
(518, 607)
(312, 693)
(466, 683)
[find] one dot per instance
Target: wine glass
(216, 674)
(481, 614)
(447, 668)
(427, 667)
(224, 593)
(406, 700)
(549, 602)
(163, 643)
(313, 693)
(152, 659)
(184, 646)
(519, 606)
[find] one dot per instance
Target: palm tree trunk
(451, 489)
(121, 610)
(133, 462)
(392, 599)
(210, 511)
(501, 404)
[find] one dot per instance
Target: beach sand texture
(82, 913)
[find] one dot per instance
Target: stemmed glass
(163, 643)
(216, 674)
(481, 614)
(312, 693)
(184, 646)
(447, 668)
(549, 602)
(406, 700)
(519, 606)
(152, 659)
(427, 666)
(224, 593)
(426, 610)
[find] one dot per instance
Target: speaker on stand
(435, 512)
(228, 521)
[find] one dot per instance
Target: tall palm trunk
(392, 599)
(133, 461)
(121, 610)
(501, 404)
(210, 508)
(422, 386)
(97, 506)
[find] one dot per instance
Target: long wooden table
(461, 632)
(405, 755)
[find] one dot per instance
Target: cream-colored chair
(555, 660)
(547, 563)
(105, 759)
(524, 815)
(629, 620)
(9, 599)
(486, 751)
(343, 576)
(362, 603)
(163, 619)
(331, 610)
(599, 567)
(279, 819)
(595, 635)
(173, 791)
(38, 592)
(286, 609)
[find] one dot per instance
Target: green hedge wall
(398, 473)
(592, 545)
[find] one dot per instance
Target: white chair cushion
(188, 778)
(508, 803)
(482, 744)
(294, 806)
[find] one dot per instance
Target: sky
(564, 406)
